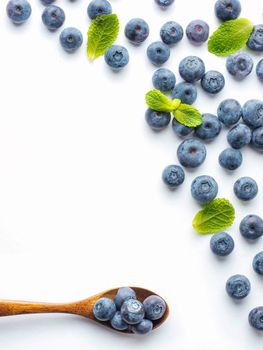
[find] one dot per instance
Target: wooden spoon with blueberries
(128, 310)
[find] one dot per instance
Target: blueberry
(259, 70)
(255, 318)
(186, 92)
(71, 39)
(53, 17)
(210, 127)
(255, 42)
(192, 69)
(47, 2)
(253, 113)
(227, 9)
(137, 31)
(157, 120)
(257, 139)
(142, 328)
(251, 227)
(258, 263)
(118, 323)
(229, 112)
(191, 153)
(222, 244)
(104, 309)
(124, 294)
(213, 82)
(197, 31)
(18, 10)
(132, 311)
(239, 65)
(239, 136)
(154, 307)
(158, 53)
(117, 57)
(173, 176)
(246, 188)
(171, 33)
(238, 287)
(204, 189)
(180, 129)
(99, 7)
(230, 159)
(163, 79)
(164, 3)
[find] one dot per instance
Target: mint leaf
(160, 103)
(230, 37)
(102, 33)
(188, 115)
(216, 216)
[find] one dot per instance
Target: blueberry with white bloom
(258, 263)
(171, 33)
(239, 136)
(47, 2)
(118, 323)
(222, 244)
(132, 311)
(251, 227)
(158, 53)
(164, 3)
(197, 32)
(255, 41)
(210, 127)
(246, 188)
(259, 70)
(124, 294)
(227, 9)
(257, 139)
(18, 11)
(104, 309)
(142, 328)
(157, 120)
(255, 318)
(239, 65)
(253, 113)
(154, 307)
(163, 79)
(191, 153)
(117, 57)
(186, 92)
(229, 112)
(204, 189)
(99, 7)
(238, 287)
(213, 82)
(71, 39)
(230, 159)
(53, 17)
(192, 69)
(137, 31)
(181, 130)
(173, 176)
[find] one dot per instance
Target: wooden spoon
(82, 308)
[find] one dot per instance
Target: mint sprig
(102, 33)
(230, 37)
(216, 216)
(183, 113)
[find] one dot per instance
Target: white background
(82, 204)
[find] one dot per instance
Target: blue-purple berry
(163, 79)
(222, 244)
(154, 307)
(171, 33)
(255, 318)
(227, 9)
(251, 227)
(157, 120)
(123, 294)
(118, 323)
(117, 57)
(104, 309)
(186, 92)
(164, 3)
(246, 188)
(71, 39)
(255, 42)
(210, 127)
(257, 139)
(204, 189)
(230, 159)
(239, 136)
(18, 11)
(192, 69)
(238, 287)
(229, 112)
(213, 82)
(253, 113)
(258, 263)
(99, 7)
(173, 176)
(142, 328)
(191, 153)
(181, 130)
(132, 311)
(137, 31)
(53, 17)
(259, 69)
(158, 53)
(239, 65)
(197, 32)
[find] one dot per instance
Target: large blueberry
(180, 129)
(253, 113)
(204, 189)
(18, 10)
(238, 287)
(158, 53)
(239, 65)
(197, 32)
(222, 244)
(210, 127)
(137, 31)
(117, 57)
(163, 79)
(53, 17)
(227, 9)
(258, 263)
(255, 41)
(142, 328)
(230, 159)
(239, 136)
(229, 112)
(171, 33)
(173, 176)
(255, 318)
(246, 188)
(191, 153)
(99, 7)
(251, 227)
(213, 82)
(186, 92)
(132, 311)
(71, 39)
(257, 139)
(192, 69)
(154, 307)
(104, 309)
(259, 70)
(124, 294)
(157, 120)
(118, 323)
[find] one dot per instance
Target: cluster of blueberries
(126, 313)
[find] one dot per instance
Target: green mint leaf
(216, 216)
(160, 103)
(102, 33)
(187, 115)
(230, 37)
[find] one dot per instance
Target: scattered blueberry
(173, 176)
(99, 7)
(154, 307)
(137, 31)
(117, 57)
(239, 65)
(257, 139)
(186, 92)
(118, 323)
(163, 79)
(230, 159)
(259, 70)
(213, 82)
(197, 32)
(47, 2)
(246, 188)
(253, 113)
(171, 33)
(104, 309)
(53, 17)
(180, 129)
(142, 328)
(204, 189)
(158, 53)
(258, 263)
(192, 69)
(238, 287)
(157, 120)
(229, 112)
(164, 3)
(255, 41)
(251, 227)
(132, 311)
(71, 39)
(18, 11)
(239, 136)
(124, 294)
(222, 244)
(255, 318)
(191, 153)
(210, 127)
(227, 9)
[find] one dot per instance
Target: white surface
(82, 206)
